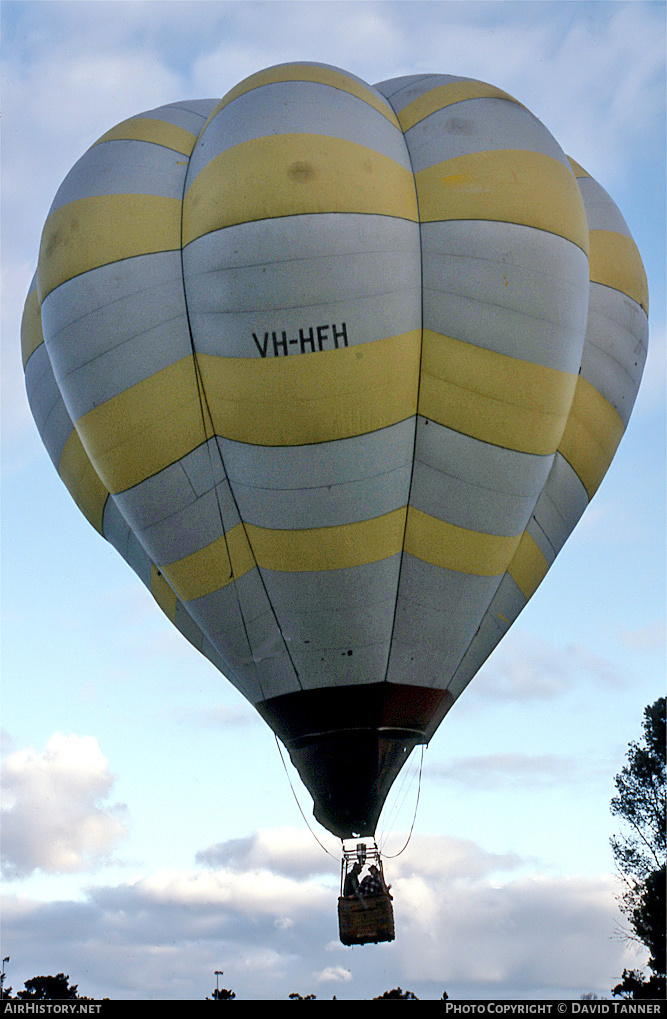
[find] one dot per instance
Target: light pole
(2, 977)
(218, 974)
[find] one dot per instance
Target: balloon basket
(366, 921)
(364, 916)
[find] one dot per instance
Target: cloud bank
(264, 912)
(55, 819)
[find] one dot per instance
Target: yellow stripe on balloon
(593, 432)
(490, 396)
(212, 567)
(94, 231)
(322, 548)
(313, 397)
(293, 175)
(615, 261)
(340, 547)
(446, 95)
(329, 548)
(577, 169)
(82, 481)
(306, 72)
(164, 595)
(269, 401)
(457, 548)
(505, 185)
(159, 132)
(145, 428)
(528, 567)
(31, 327)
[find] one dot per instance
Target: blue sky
(151, 835)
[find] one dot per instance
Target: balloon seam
(416, 415)
(205, 409)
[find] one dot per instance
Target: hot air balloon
(336, 368)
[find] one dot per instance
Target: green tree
(640, 851)
(223, 995)
(42, 988)
(396, 992)
(634, 985)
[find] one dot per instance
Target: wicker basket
(366, 921)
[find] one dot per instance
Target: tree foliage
(640, 850)
(396, 992)
(223, 994)
(634, 985)
(49, 988)
(641, 799)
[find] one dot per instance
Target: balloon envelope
(336, 368)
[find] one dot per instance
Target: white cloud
(435, 857)
(458, 927)
(285, 851)
(255, 892)
(53, 820)
(534, 933)
(490, 770)
(6, 741)
(650, 638)
(365, 39)
(334, 975)
(533, 669)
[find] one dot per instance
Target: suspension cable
(393, 856)
(296, 800)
